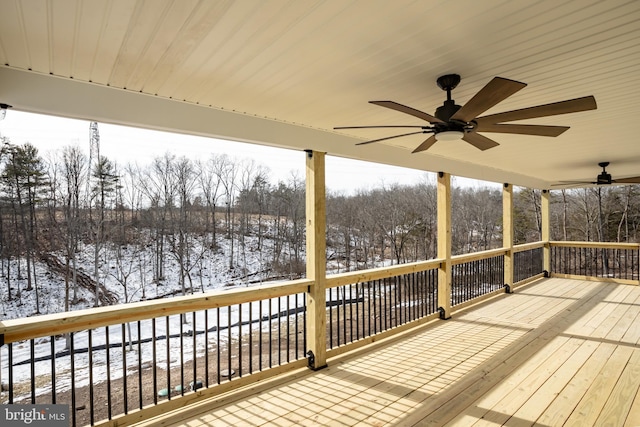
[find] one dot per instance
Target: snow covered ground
(250, 266)
(214, 273)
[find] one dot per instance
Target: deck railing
(476, 274)
(122, 364)
(605, 261)
(362, 304)
(528, 261)
(135, 356)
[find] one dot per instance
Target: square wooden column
(507, 234)
(444, 244)
(546, 230)
(316, 260)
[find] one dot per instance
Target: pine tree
(23, 177)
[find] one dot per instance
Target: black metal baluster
(279, 330)
(250, 337)
(396, 288)
(240, 340)
(125, 392)
(358, 319)
(386, 304)
(337, 317)
(344, 315)
(471, 279)
(32, 364)
(218, 344)
(91, 407)
(108, 357)
(380, 305)
(351, 313)
(195, 353)
(10, 369)
(154, 372)
(229, 342)
(370, 313)
(304, 323)
(331, 317)
(182, 320)
(295, 325)
(288, 320)
(206, 348)
(53, 368)
(260, 336)
(271, 333)
(376, 301)
(434, 292)
(168, 357)
(413, 307)
(420, 294)
(72, 364)
(139, 365)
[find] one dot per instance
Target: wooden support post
(507, 234)
(546, 230)
(316, 260)
(444, 244)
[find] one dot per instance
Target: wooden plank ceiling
(284, 73)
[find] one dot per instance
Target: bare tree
(74, 167)
(185, 178)
(227, 172)
(159, 187)
(210, 186)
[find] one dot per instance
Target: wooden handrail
(475, 256)
(360, 276)
(604, 245)
(60, 323)
(528, 246)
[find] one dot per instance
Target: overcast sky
(125, 144)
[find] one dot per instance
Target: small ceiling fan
(454, 122)
(604, 178)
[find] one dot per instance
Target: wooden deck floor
(557, 352)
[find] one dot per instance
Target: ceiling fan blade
(573, 183)
(479, 141)
(497, 90)
(538, 130)
(376, 127)
(389, 137)
(563, 107)
(632, 180)
(426, 144)
(407, 110)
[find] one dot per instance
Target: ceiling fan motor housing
(604, 179)
(444, 113)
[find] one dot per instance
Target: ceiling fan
(454, 122)
(604, 178)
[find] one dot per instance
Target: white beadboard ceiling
(284, 73)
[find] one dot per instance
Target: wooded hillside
(176, 210)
